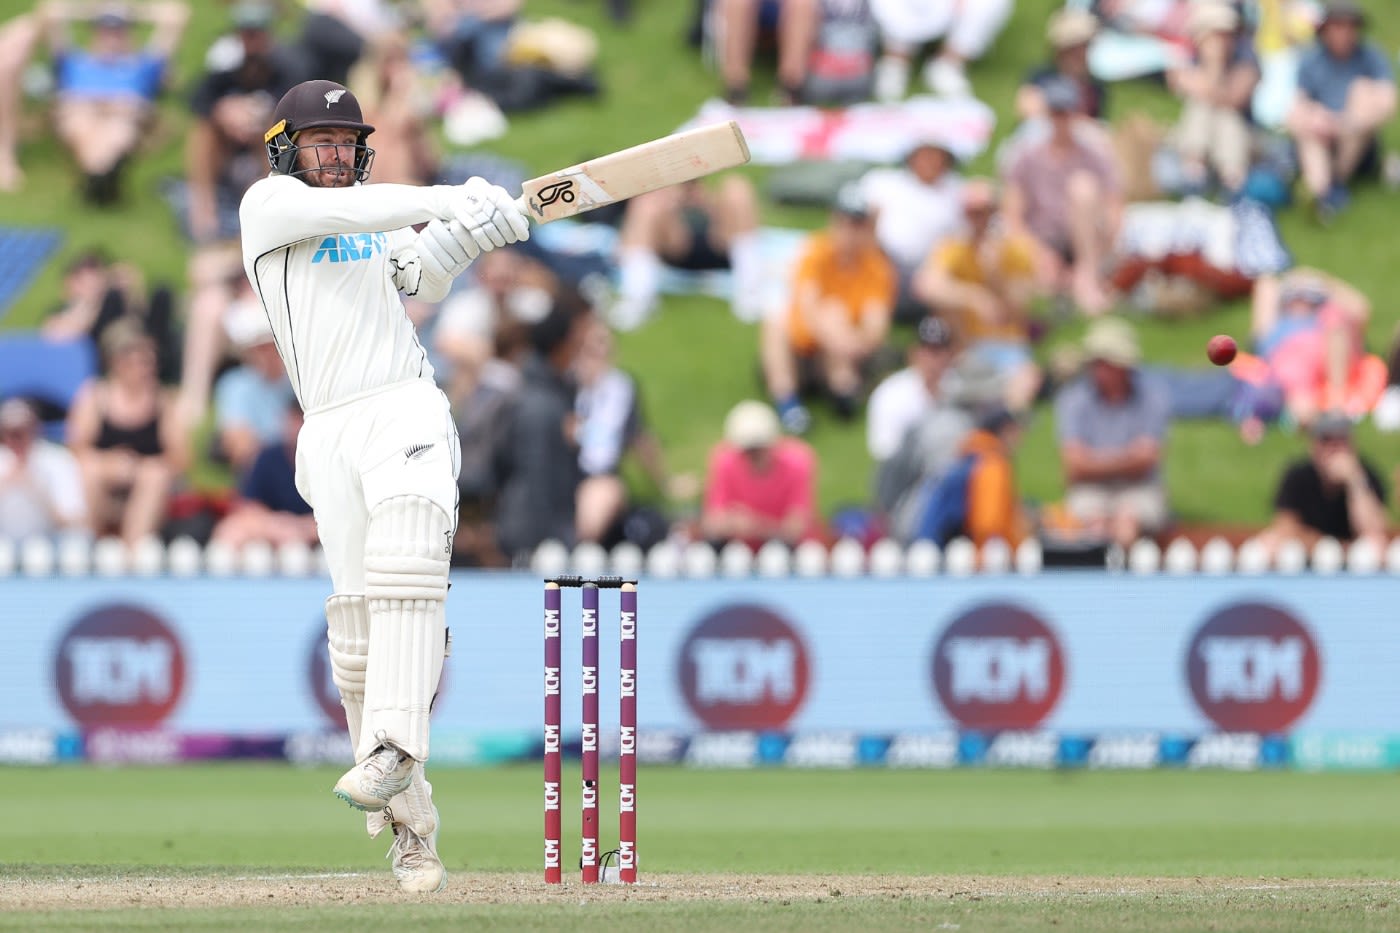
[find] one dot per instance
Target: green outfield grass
(1271, 846)
(695, 361)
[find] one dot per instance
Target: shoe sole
(349, 798)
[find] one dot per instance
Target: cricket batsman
(378, 455)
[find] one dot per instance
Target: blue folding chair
(47, 372)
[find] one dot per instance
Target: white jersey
(319, 260)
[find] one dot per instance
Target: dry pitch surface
(195, 891)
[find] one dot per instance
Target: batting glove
(490, 216)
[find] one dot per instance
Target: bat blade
(627, 173)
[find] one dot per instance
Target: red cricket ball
(1221, 349)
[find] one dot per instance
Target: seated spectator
(931, 444)
(105, 94)
(738, 24)
(1334, 492)
(538, 463)
(98, 293)
(41, 488)
(915, 206)
(977, 498)
(903, 397)
(250, 400)
(1112, 432)
(843, 301)
(611, 424)
(1308, 331)
(503, 291)
(967, 30)
(268, 506)
(18, 39)
(472, 34)
(760, 486)
(396, 103)
(123, 431)
(1213, 134)
(335, 35)
(1066, 195)
(232, 104)
(1346, 93)
(1070, 31)
(693, 227)
(984, 280)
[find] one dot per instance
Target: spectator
(1334, 492)
(1308, 329)
(967, 30)
(691, 227)
(1213, 134)
(843, 300)
(335, 34)
(611, 424)
(123, 431)
(1070, 32)
(250, 400)
(903, 397)
(98, 293)
(268, 507)
(396, 103)
(105, 94)
(18, 39)
(472, 34)
(738, 25)
(539, 460)
(41, 488)
(930, 446)
(985, 280)
(1112, 430)
(1346, 93)
(977, 497)
(504, 291)
(1066, 195)
(232, 104)
(915, 207)
(760, 486)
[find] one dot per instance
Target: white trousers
(968, 26)
(396, 441)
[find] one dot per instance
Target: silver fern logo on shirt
(352, 247)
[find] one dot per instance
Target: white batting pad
(347, 632)
(407, 548)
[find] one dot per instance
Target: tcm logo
(998, 667)
(350, 247)
(1253, 668)
(119, 666)
(744, 667)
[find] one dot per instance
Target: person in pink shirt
(761, 486)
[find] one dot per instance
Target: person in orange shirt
(984, 281)
(843, 301)
(977, 497)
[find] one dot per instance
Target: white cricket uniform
(376, 424)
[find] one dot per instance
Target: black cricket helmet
(309, 105)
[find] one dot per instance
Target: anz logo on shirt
(350, 248)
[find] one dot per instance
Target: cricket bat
(669, 160)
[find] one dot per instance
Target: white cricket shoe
(891, 81)
(946, 78)
(372, 783)
(415, 860)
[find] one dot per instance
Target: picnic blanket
(862, 132)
